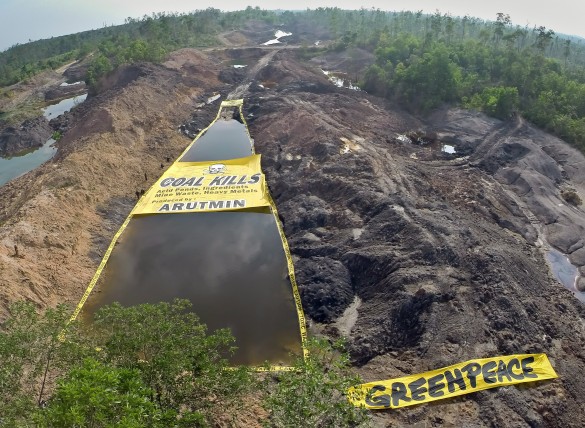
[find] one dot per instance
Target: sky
(24, 20)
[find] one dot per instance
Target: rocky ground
(419, 257)
(30, 134)
(22, 126)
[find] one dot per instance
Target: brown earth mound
(32, 133)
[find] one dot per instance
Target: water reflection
(18, 165)
(63, 106)
(226, 139)
(230, 265)
(564, 271)
(340, 80)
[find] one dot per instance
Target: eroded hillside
(421, 258)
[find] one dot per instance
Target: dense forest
(498, 68)
(422, 60)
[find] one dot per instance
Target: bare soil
(439, 257)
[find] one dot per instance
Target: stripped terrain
(419, 257)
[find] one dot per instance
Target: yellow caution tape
(108, 252)
(228, 103)
(452, 381)
(99, 270)
(210, 171)
(291, 275)
(225, 185)
(232, 103)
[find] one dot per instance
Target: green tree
(500, 102)
(375, 80)
(153, 363)
(30, 355)
(543, 38)
(502, 21)
(184, 366)
(313, 393)
(97, 395)
(429, 81)
(99, 67)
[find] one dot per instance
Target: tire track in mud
(483, 151)
(486, 146)
(242, 89)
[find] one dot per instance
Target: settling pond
(564, 272)
(16, 166)
(230, 265)
(63, 106)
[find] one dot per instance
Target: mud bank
(33, 133)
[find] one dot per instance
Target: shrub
(142, 365)
(313, 394)
(30, 355)
(571, 197)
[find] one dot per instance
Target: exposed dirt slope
(436, 253)
(421, 258)
(63, 215)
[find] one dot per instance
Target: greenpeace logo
(458, 379)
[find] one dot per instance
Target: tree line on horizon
(422, 60)
(504, 71)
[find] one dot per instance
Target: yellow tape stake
(452, 381)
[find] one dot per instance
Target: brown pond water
(226, 139)
(230, 265)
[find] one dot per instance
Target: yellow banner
(225, 185)
(458, 379)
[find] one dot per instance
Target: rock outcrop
(31, 134)
(439, 255)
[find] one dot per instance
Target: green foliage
(154, 365)
(429, 81)
(98, 67)
(500, 70)
(145, 39)
(17, 64)
(422, 61)
(30, 353)
(94, 394)
(147, 365)
(377, 79)
(184, 366)
(57, 135)
(313, 394)
(500, 102)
